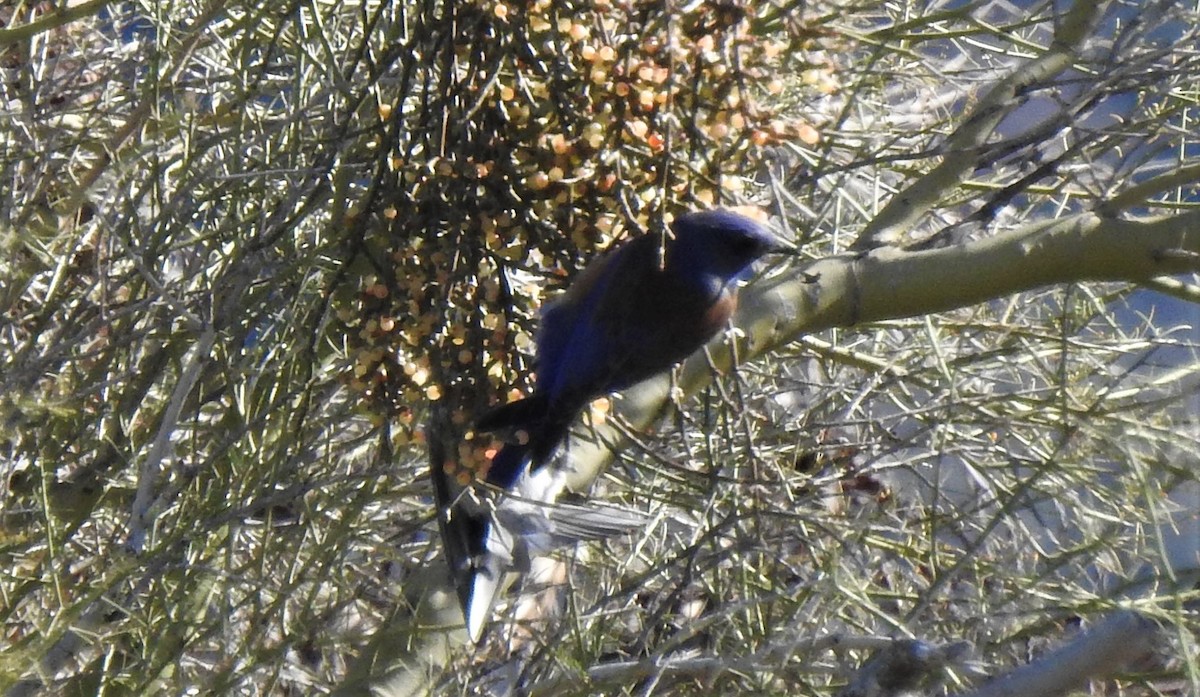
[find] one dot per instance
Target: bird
(629, 316)
(632, 314)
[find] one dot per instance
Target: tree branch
(51, 20)
(1139, 194)
(961, 148)
(141, 515)
(1121, 639)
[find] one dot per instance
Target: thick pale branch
(889, 283)
(1140, 194)
(1175, 288)
(1120, 640)
(148, 475)
(917, 199)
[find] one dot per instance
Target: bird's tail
(491, 530)
(518, 526)
(534, 432)
(516, 414)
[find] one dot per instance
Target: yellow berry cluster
(552, 130)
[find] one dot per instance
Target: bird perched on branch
(630, 315)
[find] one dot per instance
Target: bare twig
(147, 484)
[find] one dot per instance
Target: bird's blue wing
(573, 348)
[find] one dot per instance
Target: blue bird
(630, 315)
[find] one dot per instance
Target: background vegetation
(246, 246)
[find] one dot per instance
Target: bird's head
(719, 245)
